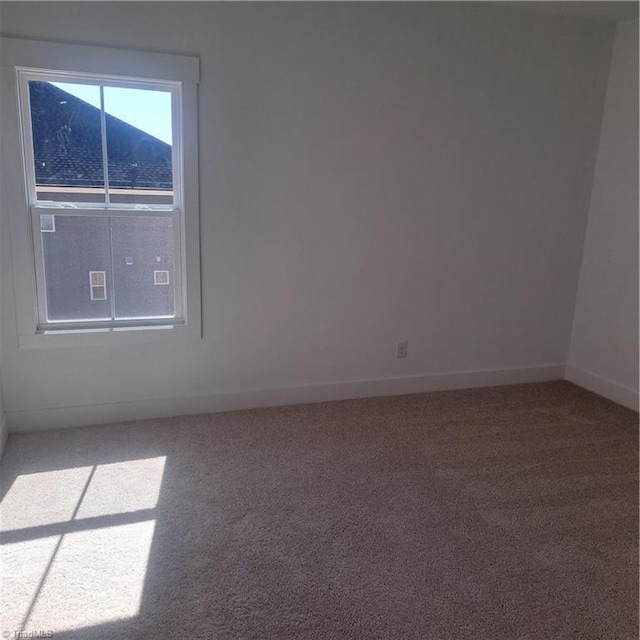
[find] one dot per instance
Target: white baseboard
(58, 417)
(4, 432)
(626, 396)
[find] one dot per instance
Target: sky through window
(147, 110)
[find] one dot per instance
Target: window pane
(98, 293)
(96, 277)
(142, 247)
(67, 141)
(78, 246)
(139, 137)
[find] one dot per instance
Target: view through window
(104, 198)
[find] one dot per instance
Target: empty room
(319, 320)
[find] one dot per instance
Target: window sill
(107, 336)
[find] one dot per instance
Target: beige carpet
(504, 513)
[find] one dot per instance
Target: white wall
(369, 172)
(4, 429)
(4, 426)
(604, 343)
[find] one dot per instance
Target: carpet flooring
(500, 513)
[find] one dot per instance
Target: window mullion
(103, 134)
(105, 170)
(112, 284)
(115, 212)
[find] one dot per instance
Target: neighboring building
(96, 267)
(68, 152)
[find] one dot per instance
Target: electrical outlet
(402, 348)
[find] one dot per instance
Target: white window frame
(107, 209)
(23, 60)
(98, 286)
(155, 278)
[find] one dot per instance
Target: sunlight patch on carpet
(97, 576)
(43, 498)
(76, 545)
(137, 482)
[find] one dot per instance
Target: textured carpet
(503, 513)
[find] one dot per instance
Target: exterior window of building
(161, 277)
(48, 224)
(98, 284)
(107, 179)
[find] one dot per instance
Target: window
(109, 175)
(98, 284)
(161, 277)
(100, 153)
(48, 223)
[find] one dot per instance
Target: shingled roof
(68, 151)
